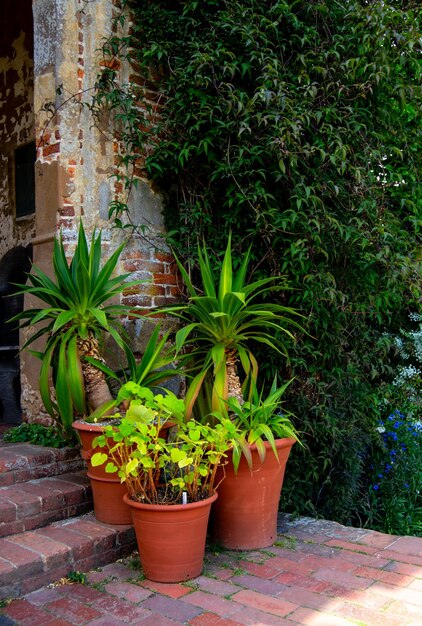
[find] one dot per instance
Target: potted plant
(220, 323)
(222, 320)
(171, 483)
(245, 516)
(78, 312)
(150, 370)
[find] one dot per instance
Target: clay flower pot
(171, 538)
(245, 516)
(107, 490)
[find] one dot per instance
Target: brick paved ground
(319, 574)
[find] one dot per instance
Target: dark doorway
(13, 269)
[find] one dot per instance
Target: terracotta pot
(107, 494)
(245, 516)
(107, 490)
(171, 538)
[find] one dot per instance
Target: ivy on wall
(296, 125)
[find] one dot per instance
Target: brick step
(36, 503)
(20, 462)
(32, 559)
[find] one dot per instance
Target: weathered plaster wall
(16, 113)
(76, 161)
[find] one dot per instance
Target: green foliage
(296, 125)
(37, 434)
(259, 419)
(156, 470)
(226, 315)
(77, 577)
(75, 309)
(394, 480)
(150, 370)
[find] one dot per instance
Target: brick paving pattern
(318, 573)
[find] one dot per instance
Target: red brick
(82, 547)
(360, 559)
(176, 609)
(376, 539)
(165, 279)
(24, 561)
(209, 602)
(367, 616)
(155, 620)
(259, 569)
(403, 594)
(27, 504)
(345, 579)
(222, 573)
(72, 609)
(128, 591)
(120, 608)
(35, 581)
(210, 619)
(387, 577)
(317, 618)
(313, 562)
(305, 582)
(283, 564)
(365, 598)
(276, 606)
(269, 587)
(51, 149)
(402, 557)
(51, 552)
(26, 613)
(217, 587)
(408, 545)
(249, 616)
(346, 545)
(404, 568)
(303, 597)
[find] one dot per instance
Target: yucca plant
(221, 320)
(257, 420)
(75, 317)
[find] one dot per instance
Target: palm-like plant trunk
(234, 387)
(96, 387)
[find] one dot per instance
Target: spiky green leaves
(224, 315)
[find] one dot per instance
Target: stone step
(21, 462)
(36, 503)
(32, 559)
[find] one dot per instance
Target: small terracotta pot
(245, 516)
(107, 490)
(171, 538)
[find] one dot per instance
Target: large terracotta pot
(245, 516)
(107, 490)
(171, 538)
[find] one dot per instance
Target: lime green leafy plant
(156, 470)
(73, 321)
(220, 322)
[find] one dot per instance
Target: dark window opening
(25, 179)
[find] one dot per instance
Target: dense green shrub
(394, 476)
(296, 125)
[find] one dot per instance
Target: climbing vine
(296, 125)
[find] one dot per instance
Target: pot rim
(171, 507)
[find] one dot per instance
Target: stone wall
(16, 114)
(76, 159)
